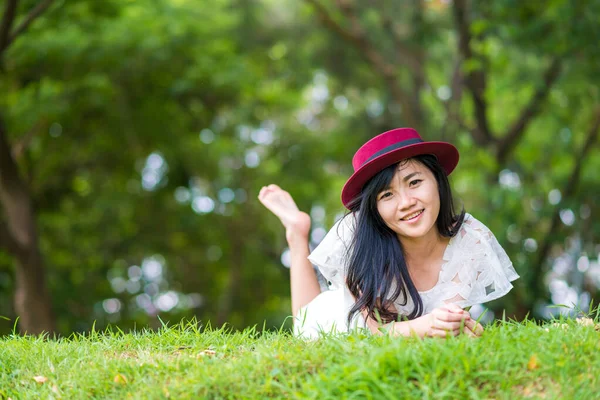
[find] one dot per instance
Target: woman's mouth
(413, 216)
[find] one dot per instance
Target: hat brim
(446, 154)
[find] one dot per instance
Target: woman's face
(411, 204)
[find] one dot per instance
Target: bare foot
(280, 203)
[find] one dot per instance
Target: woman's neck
(421, 252)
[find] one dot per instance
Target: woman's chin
(417, 231)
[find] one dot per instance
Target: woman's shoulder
(473, 240)
(341, 233)
(473, 227)
(344, 227)
(471, 221)
(475, 243)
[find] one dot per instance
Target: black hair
(377, 271)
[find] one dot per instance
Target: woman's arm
(303, 279)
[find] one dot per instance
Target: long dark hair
(377, 271)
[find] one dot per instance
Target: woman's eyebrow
(407, 177)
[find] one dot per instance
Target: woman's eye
(415, 182)
(385, 195)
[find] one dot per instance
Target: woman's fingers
(447, 326)
(452, 320)
(474, 327)
(447, 323)
(447, 316)
(468, 332)
(469, 327)
(453, 331)
(452, 307)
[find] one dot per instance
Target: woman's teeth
(413, 215)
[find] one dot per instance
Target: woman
(402, 261)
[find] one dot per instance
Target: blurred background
(136, 134)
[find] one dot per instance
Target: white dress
(475, 270)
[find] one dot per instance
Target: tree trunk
(20, 238)
(32, 302)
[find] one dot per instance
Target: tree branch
(19, 148)
(357, 38)
(452, 105)
(475, 78)
(6, 240)
(419, 78)
(14, 195)
(567, 193)
(10, 10)
(516, 131)
(29, 18)
(404, 55)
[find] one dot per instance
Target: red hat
(390, 148)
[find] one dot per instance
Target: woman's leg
(304, 284)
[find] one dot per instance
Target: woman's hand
(449, 319)
(444, 320)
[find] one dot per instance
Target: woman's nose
(405, 200)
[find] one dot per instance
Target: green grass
(511, 360)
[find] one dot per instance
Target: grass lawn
(511, 360)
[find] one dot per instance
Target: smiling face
(410, 205)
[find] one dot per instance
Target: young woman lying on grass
(401, 259)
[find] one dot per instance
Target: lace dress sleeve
(331, 254)
(477, 269)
